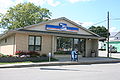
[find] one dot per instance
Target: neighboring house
(115, 37)
(102, 43)
(54, 35)
(115, 42)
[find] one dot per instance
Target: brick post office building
(54, 35)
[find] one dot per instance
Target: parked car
(113, 50)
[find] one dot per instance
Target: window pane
(37, 42)
(31, 40)
(76, 44)
(82, 46)
(37, 48)
(31, 48)
(64, 44)
(76, 41)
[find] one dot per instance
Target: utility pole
(108, 34)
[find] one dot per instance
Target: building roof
(112, 34)
(61, 18)
(117, 33)
(57, 33)
(45, 22)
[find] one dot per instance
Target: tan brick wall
(8, 48)
(22, 42)
(91, 44)
(54, 42)
(95, 46)
(88, 47)
(46, 44)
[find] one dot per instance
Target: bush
(27, 54)
(20, 53)
(33, 53)
(10, 55)
(1, 54)
(44, 55)
(63, 52)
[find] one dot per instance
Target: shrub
(63, 52)
(20, 53)
(44, 55)
(1, 55)
(33, 53)
(10, 55)
(66, 53)
(27, 54)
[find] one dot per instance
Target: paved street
(63, 58)
(104, 54)
(73, 72)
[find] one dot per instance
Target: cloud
(74, 1)
(2, 30)
(53, 3)
(3, 11)
(86, 24)
(37, 2)
(4, 5)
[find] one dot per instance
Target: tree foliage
(100, 30)
(24, 14)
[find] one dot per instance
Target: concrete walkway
(64, 58)
(95, 60)
(113, 55)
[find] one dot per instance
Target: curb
(56, 64)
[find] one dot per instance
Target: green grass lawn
(14, 62)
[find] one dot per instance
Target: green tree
(24, 14)
(100, 30)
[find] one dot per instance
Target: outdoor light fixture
(89, 39)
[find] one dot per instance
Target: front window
(76, 44)
(64, 44)
(34, 43)
(6, 40)
(68, 44)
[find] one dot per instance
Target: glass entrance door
(69, 44)
(82, 47)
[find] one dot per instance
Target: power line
(100, 22)
(115, 19)
(106, 20)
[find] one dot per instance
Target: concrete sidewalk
(95, 60)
